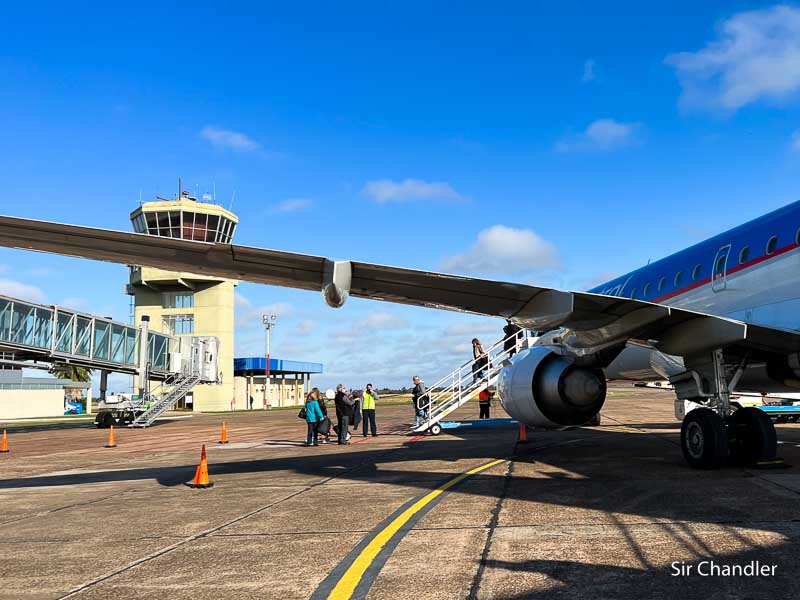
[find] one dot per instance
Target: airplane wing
(590, 321)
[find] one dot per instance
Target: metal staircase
(457, 388)
(165, 397)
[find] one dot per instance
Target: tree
(72, 372)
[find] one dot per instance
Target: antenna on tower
(179, 188)
(214, 191)
(233, 195)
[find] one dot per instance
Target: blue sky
(559, 143)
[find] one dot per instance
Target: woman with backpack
(313, 417)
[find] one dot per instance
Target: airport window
(696, 272)
(744, 253)
(178, 324)
(772, 243)
(178, 300)
(661, 283)
(646, 290)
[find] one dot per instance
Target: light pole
(269, 323)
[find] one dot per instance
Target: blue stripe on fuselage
(783, 222)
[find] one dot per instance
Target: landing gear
(704, 439)
(753, 436)
(714, 433)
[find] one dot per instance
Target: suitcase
(324, 426)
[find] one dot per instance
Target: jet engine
(543, 388)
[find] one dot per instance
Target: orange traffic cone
(523, 434)
(201, 475)
(223, 438)
(4, 443)
(111, 443)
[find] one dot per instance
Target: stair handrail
(493, 358)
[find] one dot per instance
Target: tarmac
(595, 512)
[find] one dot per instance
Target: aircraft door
(720, 269)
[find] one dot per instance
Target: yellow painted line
(351, 578)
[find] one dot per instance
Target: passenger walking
(324, 428)
(344, 412)
(368, 410)
(313, 417)
(251, 403)
(419, 397)
(481, 360)
(511, 335)
(485, 402)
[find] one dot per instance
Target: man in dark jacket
(419, 398)
(511, 336)
(344, 412)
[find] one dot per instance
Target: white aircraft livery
(714, 318)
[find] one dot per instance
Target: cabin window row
(744, 256)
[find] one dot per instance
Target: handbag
(302, 413)
(324, 426)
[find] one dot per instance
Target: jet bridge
(54, 334)
(37, 336)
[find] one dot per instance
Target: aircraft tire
(754, 437)
(704, 439)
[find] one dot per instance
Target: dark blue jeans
(312, 433)
(368, 420)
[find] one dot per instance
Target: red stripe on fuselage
(732, 270)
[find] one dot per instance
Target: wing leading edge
(590, 321)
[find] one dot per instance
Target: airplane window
(678, 277)
(720, 264)
(696, 272)
(743, 254)
(633, 293)
(797, 237)
(772, 243)
(661, 283)
(646, 290)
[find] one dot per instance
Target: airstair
(165, 397)
(196, 361)
(455, 389)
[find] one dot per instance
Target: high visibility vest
(368, 403)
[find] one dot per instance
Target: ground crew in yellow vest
(368, 410)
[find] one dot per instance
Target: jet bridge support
(714, 432)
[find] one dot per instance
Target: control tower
(181, 303)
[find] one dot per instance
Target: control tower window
(178, 324)
(178, 300)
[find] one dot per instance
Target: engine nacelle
(542, 388)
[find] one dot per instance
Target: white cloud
(384, 191)
(588, 71)
(756, 56)
(226, 139)
(305, 327)
(22, 291)
(292, 205)
(602, 134)
(796, 140)
(248, 315)
(501, 249)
